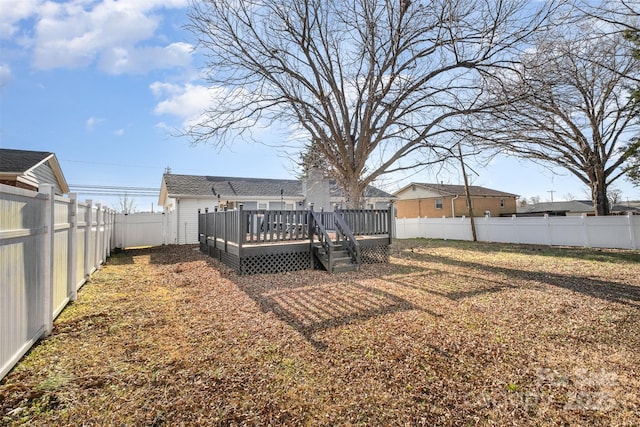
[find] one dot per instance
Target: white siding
(186, 225)
(44, 175)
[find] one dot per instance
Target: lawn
(448, 333)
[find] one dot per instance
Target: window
(502, 203)
(288, 206)
(438, 203)
(262, 206)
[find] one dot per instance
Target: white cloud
(187, 102)
(140, 60)
(14, 11)
(92, 122)
(118, 132)
(118, 35)
(5, 75)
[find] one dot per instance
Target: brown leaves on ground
(448, 333)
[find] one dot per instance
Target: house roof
(208, 186)
(198, 185)
(458, 190)
(576, 206)
(573, 206)
(20, 164)
(20, 161)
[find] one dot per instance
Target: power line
(113, 187)
(114, 190)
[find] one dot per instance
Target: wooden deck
(259, 241)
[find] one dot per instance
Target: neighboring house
(30, 169)
(185, 194)
(420, 200)
(572, 208)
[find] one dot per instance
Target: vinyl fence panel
(48, 247)
(622, 232)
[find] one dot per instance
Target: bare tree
(615, 196)
(376, 84)
(569, 106)
(622, 16)
(126, 204)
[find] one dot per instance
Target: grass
(448, 333)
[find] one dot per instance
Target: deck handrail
(317, 229)
(352, 244)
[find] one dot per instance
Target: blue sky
(103, 85)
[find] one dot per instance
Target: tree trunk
(599, 194)
(353, 194)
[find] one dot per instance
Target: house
(185, 194)
(420, 200)
(572, 208)
(30, 169)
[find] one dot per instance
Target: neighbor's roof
(199, 185)
(453, 190)
(563, 206)
(20, 161)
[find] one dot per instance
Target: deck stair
(339, 261)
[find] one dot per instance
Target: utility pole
(551, 192)
(466, 190)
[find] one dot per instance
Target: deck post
(199, 230)
(310, 232)
(206, 229)
(390, 222)
(224, 229)
(241, 232)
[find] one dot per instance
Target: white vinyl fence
(49, 246)
(622, 232)
(144, 229)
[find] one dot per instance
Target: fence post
(87, 238)
(72, 253)
(548, 228)
(631, 233)
(585, 229)
(97, 242)
(47, 257)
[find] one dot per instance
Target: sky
(106, 85)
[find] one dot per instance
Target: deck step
(340, 261)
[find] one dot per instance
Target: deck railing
(368, 222)
(250, 227)
(264, 226)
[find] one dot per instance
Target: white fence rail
(621, 232)
(49, 246)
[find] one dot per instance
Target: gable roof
(20, 165)
(457, 190)
(210, 186)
